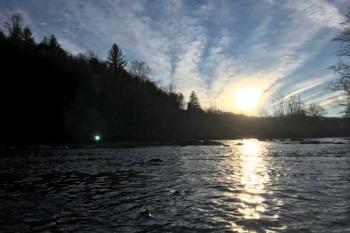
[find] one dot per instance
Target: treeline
(292, 107)
(48, 95)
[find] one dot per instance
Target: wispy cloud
(319, 12)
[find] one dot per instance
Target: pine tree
(193, 104)
(53, 43)
(28, 36)
(116, 58)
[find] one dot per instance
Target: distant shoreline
(180, 143)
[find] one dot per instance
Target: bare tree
(15, 27)
(295, 106)
(278, 107)
(315, 110)
(139, 69)
(343, 68)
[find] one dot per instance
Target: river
(248, 186)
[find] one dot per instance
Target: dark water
(254, 187)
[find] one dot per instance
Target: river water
(249, 186)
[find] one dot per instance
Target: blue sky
(282, 47)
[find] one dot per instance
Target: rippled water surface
(249, 186)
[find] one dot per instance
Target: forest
(49, 96)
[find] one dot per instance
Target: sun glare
(247, 99)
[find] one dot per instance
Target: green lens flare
(97, 138)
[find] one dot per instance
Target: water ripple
(250, 186)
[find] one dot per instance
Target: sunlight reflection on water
(254, 179)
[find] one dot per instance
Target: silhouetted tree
(2, 36)
(315, 110)
(180, 100)
(139, 70)
(295, 106)
(53, 43)
(15, 27)
(116, 59)
(343, 68)
(278, 107)
(193, 103)
(45, 41)
(28, 36)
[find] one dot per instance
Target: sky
(214, 47)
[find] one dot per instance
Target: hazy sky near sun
(281, 47)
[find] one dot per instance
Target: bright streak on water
(253, 178)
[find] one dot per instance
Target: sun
(247, 99)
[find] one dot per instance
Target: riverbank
(116, 145)
(181, 143)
